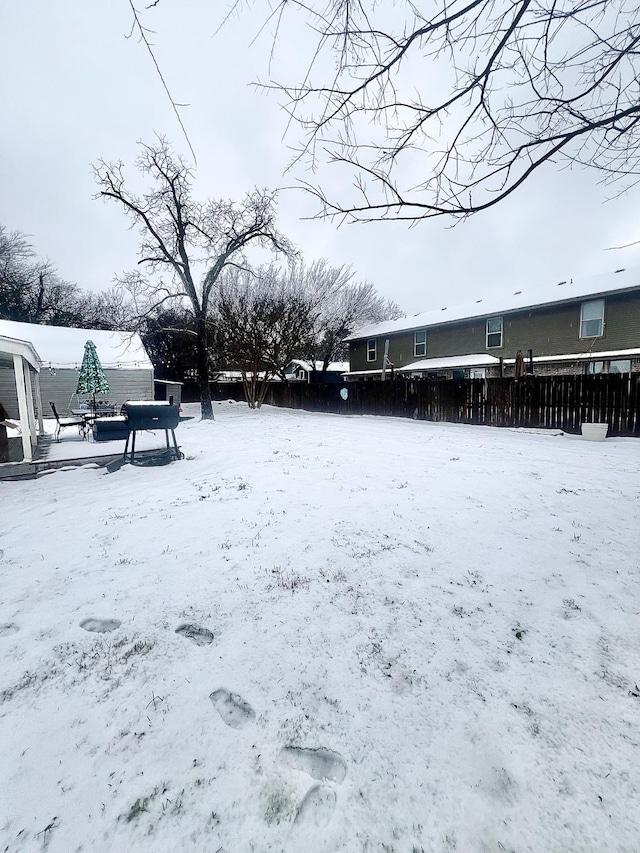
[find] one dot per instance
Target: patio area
(41, 373)
(73, 450)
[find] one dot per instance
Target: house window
(372, 349)
(592, 319)
(420, 343)
(622, 366)
(594, 367)
(494, 332)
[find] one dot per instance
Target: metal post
(175, 444)
(385, 359)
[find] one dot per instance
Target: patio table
(85, 430)
(98, 412)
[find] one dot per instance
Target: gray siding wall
(547, 331)
(60, 388)
(8, 394)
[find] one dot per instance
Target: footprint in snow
(8, 628)
(200, 636)
(100, 626)
(318, 763)
(316, 809)
(233, 709)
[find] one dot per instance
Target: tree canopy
(32, 291)
(266, 318)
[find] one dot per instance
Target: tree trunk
(202, 366)
(263, 390)
(40, 304)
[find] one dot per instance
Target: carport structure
(21, 398)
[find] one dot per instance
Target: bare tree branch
(472, 96)
(143, 37)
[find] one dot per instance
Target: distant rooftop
(517, 300)
(61, 346)
(332, 367)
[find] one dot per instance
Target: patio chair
(63, 423)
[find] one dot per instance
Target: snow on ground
(321, 633)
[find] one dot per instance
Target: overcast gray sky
(73, 89)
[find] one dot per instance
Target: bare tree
(446, 108)
(264, 320)
(348, 308)
(107, 309)
(31, 290)
(179, 235)
(336, 305)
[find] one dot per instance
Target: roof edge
(25, 349)
(369, 331)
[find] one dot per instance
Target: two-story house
(588, 326)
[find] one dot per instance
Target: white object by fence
(595, 432)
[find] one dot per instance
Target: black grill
(140, 415)
(151, 415)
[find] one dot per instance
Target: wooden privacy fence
(553, 402)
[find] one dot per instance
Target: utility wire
(137, 24)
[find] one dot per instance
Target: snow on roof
(475, 360)
(61, 346)
(563, 291)
(585, 356)
(366, 372)
(332, 367)
(146, 403)
(484, 360)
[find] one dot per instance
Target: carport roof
(451, 361)
(14, 346)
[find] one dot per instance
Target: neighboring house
(302, 371)
(60, 349)
(588, 326)
(224, 376)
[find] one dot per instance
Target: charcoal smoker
(140, 415)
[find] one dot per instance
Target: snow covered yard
(325, 634)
